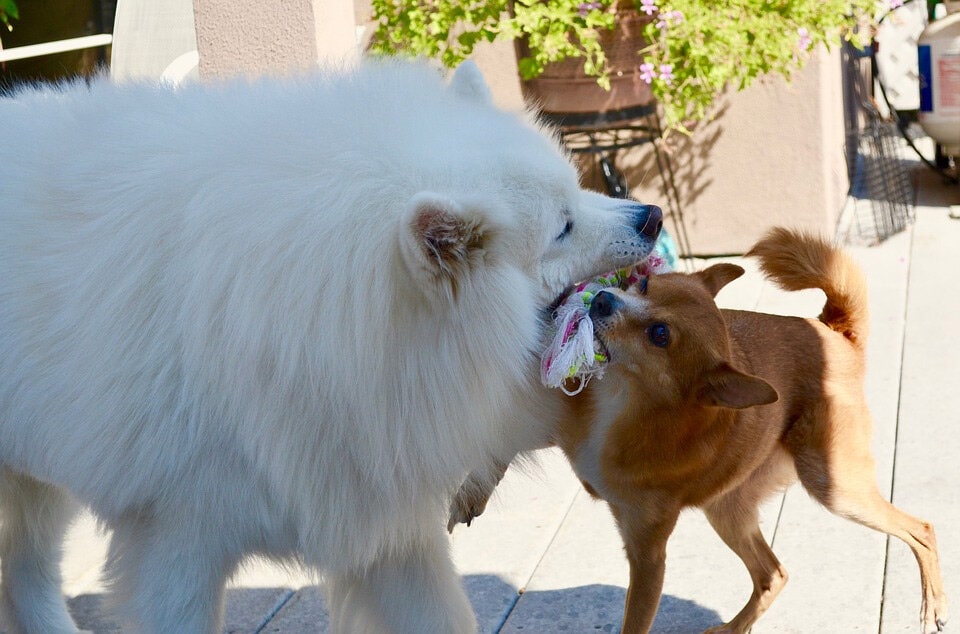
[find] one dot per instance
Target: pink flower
(587, 7)
(646, 72)
(666, 72)
(805, 40)
(668, 18)
(895, 4)
(648, 6)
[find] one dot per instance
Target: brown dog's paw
(729, 628)
(933, 618)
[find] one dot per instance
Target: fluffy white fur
(283, 317)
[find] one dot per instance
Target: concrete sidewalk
(546, 558)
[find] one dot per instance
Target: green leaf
(529, 68)
(8, 9)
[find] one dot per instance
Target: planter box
(563, 88)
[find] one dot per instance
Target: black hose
(901, 121)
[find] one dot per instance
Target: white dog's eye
(567, 228)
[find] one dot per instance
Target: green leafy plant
(695, 49)
(8, 11)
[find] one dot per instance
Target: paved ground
(546, 558)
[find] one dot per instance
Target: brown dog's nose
(604, 304)
(650, 221)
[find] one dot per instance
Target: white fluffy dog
(283, 317)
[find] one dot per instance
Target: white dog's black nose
(604, 304)
(649, 220)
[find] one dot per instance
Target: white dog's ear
(441, 237)
(468, 82)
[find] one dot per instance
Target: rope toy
(572, 353)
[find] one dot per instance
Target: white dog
(281, 317)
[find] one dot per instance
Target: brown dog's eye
(659, 335)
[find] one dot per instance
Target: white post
(148, 36)
(244, 37)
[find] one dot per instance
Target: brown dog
(681, 419)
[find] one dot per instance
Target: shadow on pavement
(498, 606)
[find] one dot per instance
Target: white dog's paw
(471, 500)
(468, 504)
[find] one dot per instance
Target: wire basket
(882, 196)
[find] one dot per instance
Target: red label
(949, 89)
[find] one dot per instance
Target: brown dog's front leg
(645, 530)
(736, 519)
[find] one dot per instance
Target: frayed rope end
(572, 354)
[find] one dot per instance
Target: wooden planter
(564, 89)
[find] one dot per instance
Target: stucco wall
(276, 36)
(774, 157)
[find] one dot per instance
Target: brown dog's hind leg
(844, 481)
(735, 518)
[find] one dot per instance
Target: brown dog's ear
(718, 276)
(441, 236)
(725, 386)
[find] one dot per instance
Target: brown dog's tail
(797, 260)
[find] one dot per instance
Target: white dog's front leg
(34, 518)
(167, 579)
(412, 592)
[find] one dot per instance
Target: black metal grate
(880, 188)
